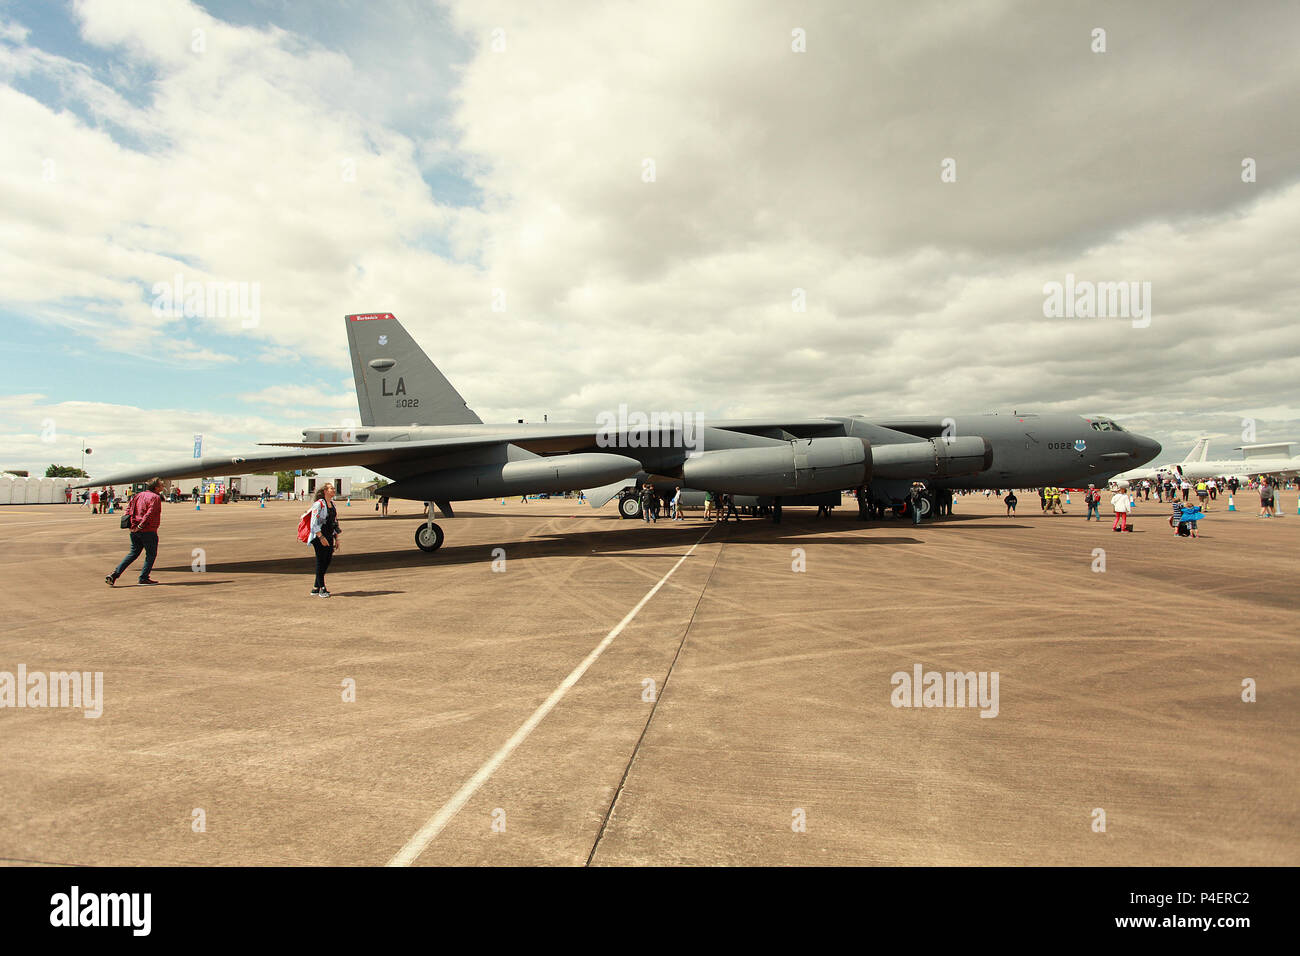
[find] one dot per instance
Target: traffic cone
(263, 504)
(349, 502)
(1067, 497)
(1231, 504)
(196, 506)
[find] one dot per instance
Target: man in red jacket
(145, 514)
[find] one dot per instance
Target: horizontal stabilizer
(1281, 449)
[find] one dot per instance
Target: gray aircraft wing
(789, 429)
(782, 429)
(394, 459)
(374, 455)
(920, 427)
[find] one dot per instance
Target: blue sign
(198, 446)
(298, 472)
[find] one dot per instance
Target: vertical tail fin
(396, 382)
(1200, 451)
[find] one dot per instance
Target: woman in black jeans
(324, 535)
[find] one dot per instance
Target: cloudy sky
(646, 186)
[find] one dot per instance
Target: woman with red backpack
(1092, 498)
(323, 535)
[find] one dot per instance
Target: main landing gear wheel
(428, 537)
(629, 507)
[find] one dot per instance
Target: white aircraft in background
(1274, 458)
(1200, 451)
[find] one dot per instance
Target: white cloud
(310, 396)
(38, 430)
(184, 351)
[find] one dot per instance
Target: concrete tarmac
(745, 714)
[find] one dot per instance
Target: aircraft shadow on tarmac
(623, 543)
(187, 583)
(365, 593)
(413, 516)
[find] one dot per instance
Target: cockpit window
(1105, 425)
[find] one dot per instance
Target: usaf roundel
(383, 340)
(1080, 444)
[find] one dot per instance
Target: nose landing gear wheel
(629, 507)
(428, 538)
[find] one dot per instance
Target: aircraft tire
(422, 538)
(629, 507)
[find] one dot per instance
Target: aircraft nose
(1147, 448)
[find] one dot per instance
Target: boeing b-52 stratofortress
(417, 431)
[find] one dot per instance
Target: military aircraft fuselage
(1021, 450)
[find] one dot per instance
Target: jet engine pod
(936, 458)
(557, 473)
(799, 467)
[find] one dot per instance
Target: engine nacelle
(793, 468)
(935, 458)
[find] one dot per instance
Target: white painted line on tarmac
(427, 833)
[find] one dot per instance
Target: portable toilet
(33, 491)
(45, 491)
(6, 490)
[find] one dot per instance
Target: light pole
(84, 452)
